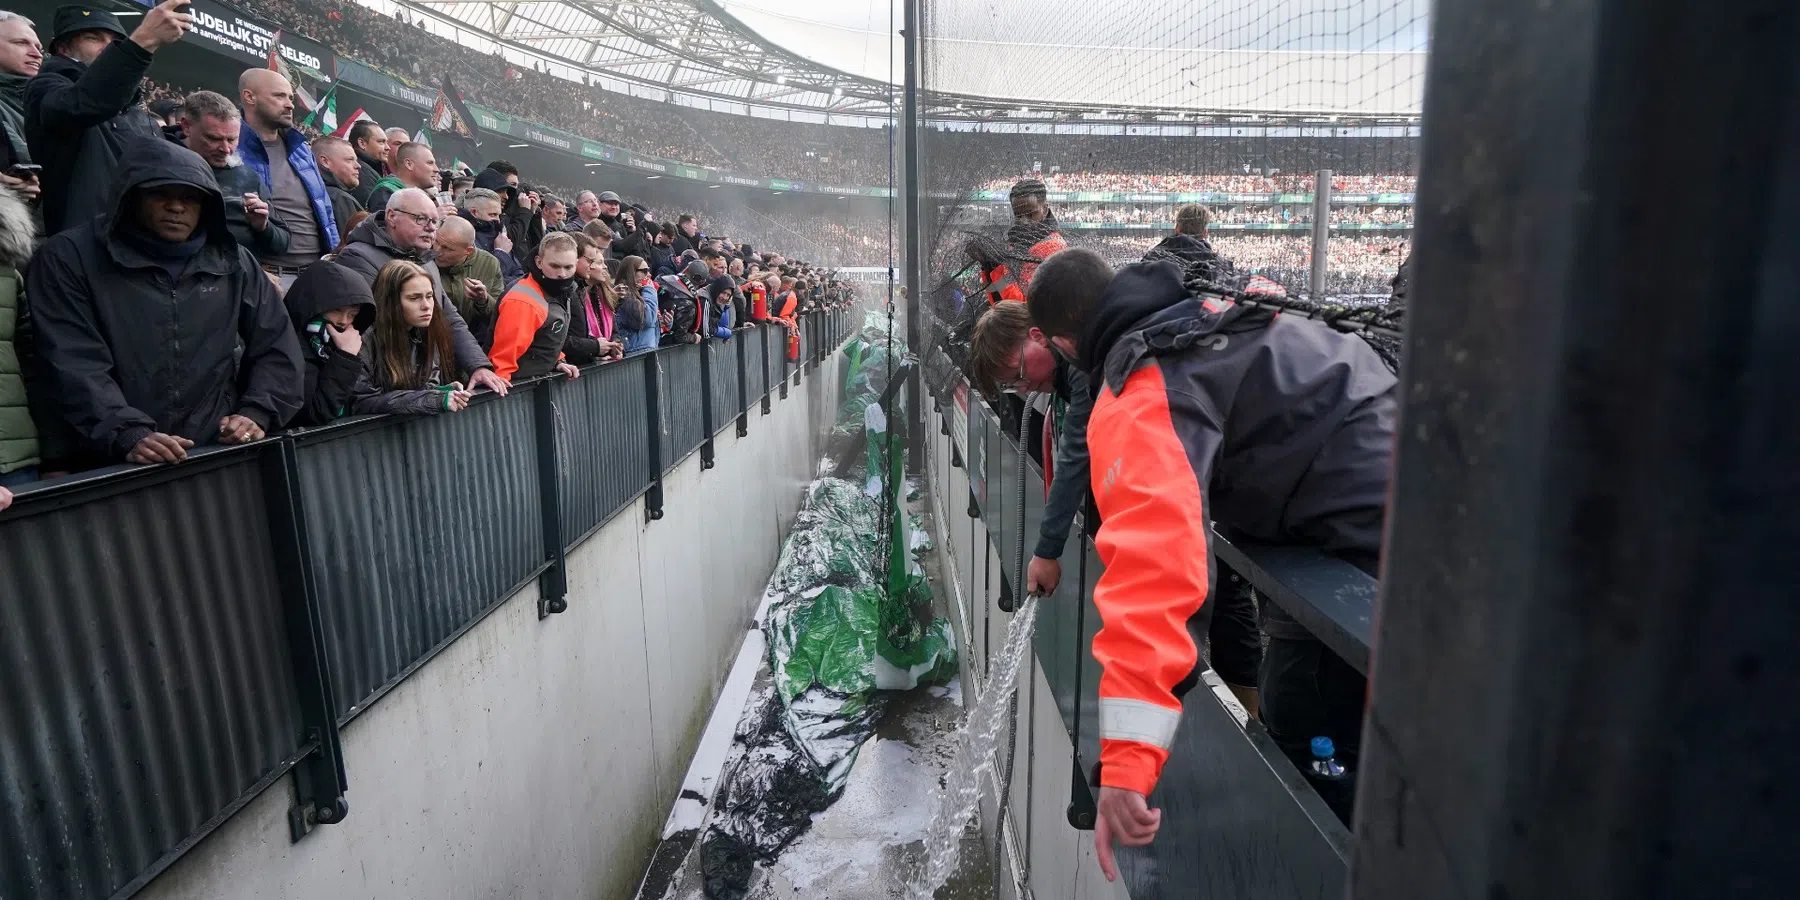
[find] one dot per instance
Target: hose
(1012, 725)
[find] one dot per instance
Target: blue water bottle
(1325, 767)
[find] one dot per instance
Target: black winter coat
(235, 182)
(365, 185)
(368, 248)
(333, 378)
(131, 351)
(78, 119)
(344, 204)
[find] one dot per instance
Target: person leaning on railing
(410, 352)
(1302, 459)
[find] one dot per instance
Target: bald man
(471, 277)
(273, 148)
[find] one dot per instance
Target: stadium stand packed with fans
(381, 281)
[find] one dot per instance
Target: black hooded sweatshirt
(133, 350)
(332, 376)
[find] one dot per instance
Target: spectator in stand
(663, 258)
(412, 351)
(104, 297)
(82, 108)
(602, 237)
(396, 138)
(277, 151)
(533, 321)
(18, 436)
(555, 213)
(587, 210)
(341, 172)
(210, 126)
(481, 209)
(330, 307)
(1189, 249)
(460, 185)
(640, 312)
(370, 144)
(408, 230)
(415, 167)
(687, 233)
(609, 213)
(592, 320)
(683, 300)
(21, 56)
(471, 277)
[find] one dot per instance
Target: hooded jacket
(332, 376)
(1197, 259)
(299, 156)
(78, 119)
(1278, 427)
(132, 350)
(369, 248)
(524, 226)
(18, 437)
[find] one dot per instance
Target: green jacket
(482, 266)
(18, 438)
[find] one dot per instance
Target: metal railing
(178, 638)
(1239, 819)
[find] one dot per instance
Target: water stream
(977, 740)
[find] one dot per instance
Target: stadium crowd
(1127, 181)
(1159, 215)
(1360, 266)
(303, 279)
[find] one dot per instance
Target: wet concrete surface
(867, 844)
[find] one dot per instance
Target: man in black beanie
(83, 106)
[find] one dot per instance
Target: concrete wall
(1062, 861)
(538, 759)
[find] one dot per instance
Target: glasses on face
(1019, 383)
(423, 220)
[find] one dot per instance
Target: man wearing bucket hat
(83, 106)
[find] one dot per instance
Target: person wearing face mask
(112, 298)
(481, 208)
(533, 321)
(330, 307)
(410, 354)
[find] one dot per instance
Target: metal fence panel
(148, 684)
(600, 424)
(682, 396)
(723, 370)
(758, 363)
(417, 528)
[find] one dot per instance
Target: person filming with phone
(83, 107)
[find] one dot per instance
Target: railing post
(743, 401)
(653, 497)
(784, 361)
(319, 782)
(762, 335)
(706, 346)
(553, 583)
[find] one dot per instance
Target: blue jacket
(650, 335)
(299, 155)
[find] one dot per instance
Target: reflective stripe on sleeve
(1123, 719)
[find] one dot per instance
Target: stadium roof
(985, 60)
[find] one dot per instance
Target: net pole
(911, 228)
(1321, 231)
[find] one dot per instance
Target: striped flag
(343, 131)
(303, 99)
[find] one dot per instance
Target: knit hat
(70, 20)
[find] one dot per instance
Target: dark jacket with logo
(78, 119)
(369, 248)
(1278, 427)
(132, 350)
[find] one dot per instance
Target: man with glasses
(408, 230)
